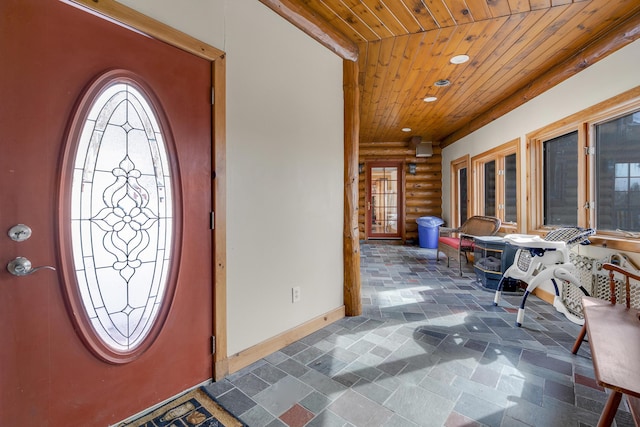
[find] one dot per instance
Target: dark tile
(479, 410)
(315, 402)
(532, 393)
(512, 333)
(359, 410)
(503, 353)
(381, 351)
(559, 391)
(250, 384)
(307, 355)
(327, 419)
(586, 381)
(236, 402)
(624, 419)
(347, 379)
(215, 389)
(294, 348)
(542, 360)
(477, 327)
(589, 404)
(476, 345)
(414, 317)
(486, 376)
(327, 365)
(438, 335)
(495, 321)
(269, 373)
(393, 367)
(315, 337)
(293, 367)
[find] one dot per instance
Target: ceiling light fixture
(430, 99)
(459, 59)
(406, 129)
(442, 83)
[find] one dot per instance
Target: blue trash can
(428, 231)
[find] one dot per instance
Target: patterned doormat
(195, 408)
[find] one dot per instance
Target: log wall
(422, 191)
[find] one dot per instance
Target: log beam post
(351, 236)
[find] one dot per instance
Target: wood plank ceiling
(517, 49)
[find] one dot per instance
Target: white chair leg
(520, 317)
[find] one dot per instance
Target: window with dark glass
(561, 180)
(490, 188)
(496, 186)
(463, 196)
(510, 188)
(618, 173)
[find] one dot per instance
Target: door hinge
(213, 344)
(589, 151)
(213, 96)
(590, 205)
(212, 220)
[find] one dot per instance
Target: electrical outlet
(295, 294)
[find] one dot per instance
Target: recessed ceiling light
(406, 129)
(442, 83)
(459, 59)
(430, 99)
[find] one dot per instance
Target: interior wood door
(385, 213)
(52, 374)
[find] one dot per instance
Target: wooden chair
(456, 242)
(631, 294)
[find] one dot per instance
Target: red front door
(49, 376)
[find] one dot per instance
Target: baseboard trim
(253, 354)
(544, 295)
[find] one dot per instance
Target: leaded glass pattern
(121, 216)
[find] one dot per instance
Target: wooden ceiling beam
(315, 27)
(131, 18)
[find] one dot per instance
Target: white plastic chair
(538, 260)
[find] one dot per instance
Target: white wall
(284, 163)
(285, 180)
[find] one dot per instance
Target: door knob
(22, 267)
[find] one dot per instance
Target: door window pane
(561, 180)
(510, 188)
(463, 196)
(121, 216)
(618, 174)
(384, 200)
(490, 188)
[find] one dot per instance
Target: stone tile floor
(429, 350)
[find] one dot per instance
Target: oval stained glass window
(121, 215)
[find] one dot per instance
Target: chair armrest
(448, 231)
(467, 242)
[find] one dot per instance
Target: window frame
(457, 165)
(584, 122)
(497, 154)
